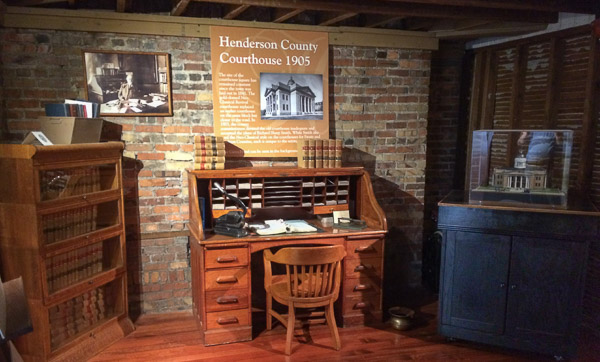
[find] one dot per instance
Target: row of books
(319, 153)
(67, 224)
(209, 153)
(65, 269)
(75, 316)
(70, 182)
(73, 108)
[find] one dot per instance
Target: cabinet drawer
(222, 279)
(364, 248)
(226, 258)
(226, 299)
(227, 319)
(362, 305)
(362, 286)
(328, 209)
(356, 268)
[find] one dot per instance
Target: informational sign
(270, 88)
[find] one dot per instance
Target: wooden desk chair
(312, 279)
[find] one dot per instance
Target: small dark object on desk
(348, 223)
(232, 223)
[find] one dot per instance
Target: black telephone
(232, 223)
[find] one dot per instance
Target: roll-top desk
(221, 267)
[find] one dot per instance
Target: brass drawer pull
(361, 305)
(362, 287)
(227, 300)
(227, 320)
(227, 279)
(227, 259)
(362, 267)
(364, 249)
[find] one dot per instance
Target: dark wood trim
(489, 92)
(590, 114)
(583, 29)
(557, 48)
(403, 9)
(480, 59)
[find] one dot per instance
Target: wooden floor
(174, 337)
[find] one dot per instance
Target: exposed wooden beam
(34, 2)
(160, 25)
(180, 7)
(586, 7)
(123, 5)
(336, 19)
(456, 25)
(374, 21)
(403, 9)
(494, 29)
(282, 15)
(235, 11)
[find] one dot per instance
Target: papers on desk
(135, 109)
(285, 227)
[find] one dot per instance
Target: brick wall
(444, 167)
(378, 107)
(379, 100)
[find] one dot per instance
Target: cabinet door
(545, 289)
(474, 280)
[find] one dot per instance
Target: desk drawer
(220, 300)
(226, 258)
(356, 268)
(362, 305)
(364, 248)
(227, 319)
(362, 286)
(223, 279)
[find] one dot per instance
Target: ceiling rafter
(494, 29)
(123, 5)
(235, 12)
(335, 18)
(538, 5)
(402, 9)
(180, 7)
(282, 15)
(374, 21)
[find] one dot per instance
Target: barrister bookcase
(62, 230)
(221, 265)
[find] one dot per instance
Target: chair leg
(269, 307)
(332, 326)
(290, 328)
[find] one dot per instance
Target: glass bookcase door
(69, 267)
(70, 223)
(65, 182)
(78, 315)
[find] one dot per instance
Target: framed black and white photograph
(291, 96)
(128, 83)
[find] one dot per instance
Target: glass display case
(525, 167)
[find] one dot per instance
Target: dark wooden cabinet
(514, 277)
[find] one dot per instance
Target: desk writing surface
(329, 232)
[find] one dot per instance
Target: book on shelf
(338, 153)
(209, 159)
(209, 166)
(211, 153)
(319, 153)
(72, 108)
(303, 153)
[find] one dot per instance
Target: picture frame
(128, 84)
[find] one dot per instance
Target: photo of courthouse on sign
(291, 96)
